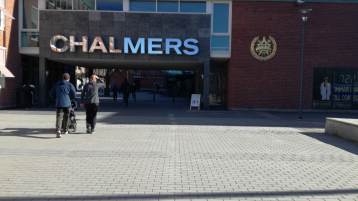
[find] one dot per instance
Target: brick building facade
(9, 39)
(331, 41)
(226, 73)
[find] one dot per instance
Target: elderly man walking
(89, 98)
(63, 92)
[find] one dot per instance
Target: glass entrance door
(218, 93)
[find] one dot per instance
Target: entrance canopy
(132, 64)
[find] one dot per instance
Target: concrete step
(345, 128)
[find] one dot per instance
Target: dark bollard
(153, 97)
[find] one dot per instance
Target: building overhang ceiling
(131, 64)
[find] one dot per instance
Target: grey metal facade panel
(309, 1)
(120, 25)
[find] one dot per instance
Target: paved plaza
(164, 151)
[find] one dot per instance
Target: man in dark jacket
(115, 91)
(29, 90)
(89, 97)
(125, 89)
(134, 89)
(63, 92)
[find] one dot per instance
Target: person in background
(29, 90)
(63, 92)
(125, 89)
(325, 89)
(157, 86)
(90, 99)
(134, 89)
(79, 83)
(115, 91)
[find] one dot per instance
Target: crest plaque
(263, 49)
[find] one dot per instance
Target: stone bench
(345, 128)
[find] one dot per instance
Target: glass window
(341, 88)
(30, 14)
(29, 39)
(114, 5)
(83, 4)
(2, 81)
(220, 43)
(50, 4)
(2, 23)
(2, 56)
(136, 73)
(193, 6)
(59, 4)
(142, 5)
(355, 89)
(168, 6)
(335, 88)
(322, 88)
(174, 72)
(2, 16)
(221, 18)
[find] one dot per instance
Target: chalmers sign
(154, 45)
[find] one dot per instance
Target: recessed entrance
(164, 81)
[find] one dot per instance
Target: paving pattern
(262, 157)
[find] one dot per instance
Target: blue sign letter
(175, 47)
(151, 46)
(140, 42)
(194, 47)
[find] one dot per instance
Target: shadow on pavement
(341, 143)
(146, 112)
(30, 132)
(214, 195)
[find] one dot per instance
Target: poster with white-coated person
(195, 101)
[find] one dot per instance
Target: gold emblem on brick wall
(263, 49)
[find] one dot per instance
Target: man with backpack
(125, 89)
(63, 92)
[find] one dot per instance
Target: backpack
(28, 88)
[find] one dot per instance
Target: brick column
(206, 84)
(42, 81)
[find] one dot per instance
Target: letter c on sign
(53, 43)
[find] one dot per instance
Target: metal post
(173, 97)
(108, 80)
(303, 58)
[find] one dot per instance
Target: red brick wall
(10, 39)
(331, 40)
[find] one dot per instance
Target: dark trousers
(125, 99)
(91, 115)
(62, 116)
(114, 96)
(28, 100)
(133, 94)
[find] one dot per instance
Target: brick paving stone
(204, 155)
